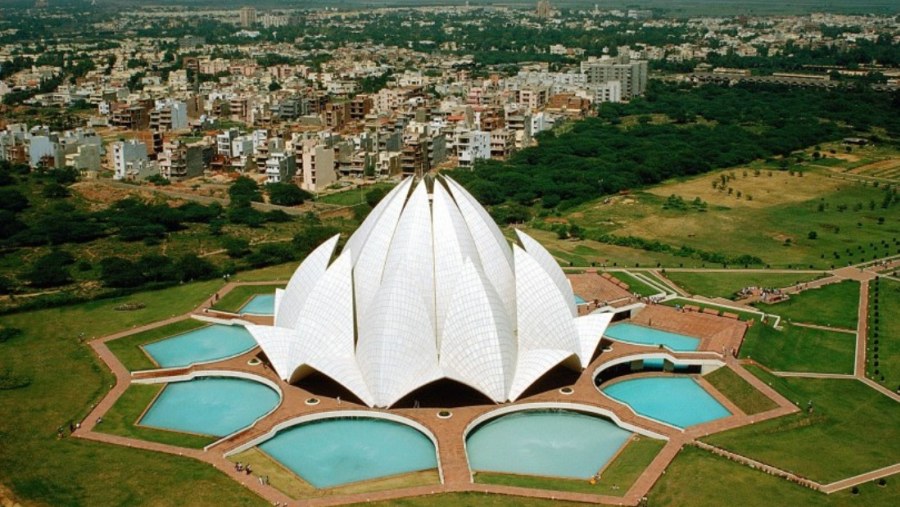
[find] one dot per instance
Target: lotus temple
(430, 352)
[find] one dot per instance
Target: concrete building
(129, 160)
(248, 17)
(280, 167)
(631, 74)
(318, 165)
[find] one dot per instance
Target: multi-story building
(280, 167)
(169, 115)
(248, 17)
(318, 165)
(631, 74)
(129, 160)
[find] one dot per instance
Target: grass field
(240, 295)
(65, 379)
(697, 478)
(835, 305)
(353, 196)
(798, 348)
(774, 225)
(726, 285)
(615, 480)
(128, 349)
(853, 429)
(888, 328)
(122, 419)
(741, 393)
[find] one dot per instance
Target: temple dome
(428, 288)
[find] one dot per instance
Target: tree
(51, 270)
(120, 272)
(244, 191)
(12, 200)
(274, 86)
(236, 247)
(812, 235)
(374, 196)
(312, 236)
(195, 268)
(286, 194)
(55, 191)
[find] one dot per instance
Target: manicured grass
(635, 285)
(727, 284)
(852, 430)
(887, 296)
(798, 348)
(353, 196)
(239, 296)
(66, 378)
(834, 305)
(123, 417)
(615, 479)
(271, 273)
(742, 394)
(295, 487)
(128, 349)
(697, 478)
(471, 500)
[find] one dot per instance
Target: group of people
(247, 469)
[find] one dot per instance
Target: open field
(128, 349)
(852, 430)
(122, 419)
(635, 285)
(615, 480)
(888, 329)
(239, 296)
(833, 305)
(700, 479)
(354, 196)
(800, 349)
(65, 378)
(741, 393)
(772, 219)
(727, 284)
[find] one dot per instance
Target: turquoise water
(200, 345)
(579, 300)
(642, 335)
(216, 406)
(339, 451)
(260, 304)
(557, 444)
(675, 400)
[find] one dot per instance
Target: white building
(129, 158)
(426, 289)
(280, 167)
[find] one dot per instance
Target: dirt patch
(875, 168)
(6, 498)
(99, 195)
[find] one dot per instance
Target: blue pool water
(675, 400)
(260, 304)
(339, 451)
(579, 300)
(642, 335)
(216, 406)
(200, 345)
(558, 444)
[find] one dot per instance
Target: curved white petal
(493, 249)
(532, 365)
(302, 283)
(396, 350)
(546, 261)
(543, 317)
(279, 345)
(358, 239)
(590, 330)
(326, 329)
(479, 344)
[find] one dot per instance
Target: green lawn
(128, 349)
(697, 478)
(65, 379)
(887, 296)
(832, 305)
(727, 284)
(635, 285)
(615, 480)
(798, 348)
(240, 295)
(353, 196)
(853, 429)
(122, 419)
(471, 500)
(741, 393)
